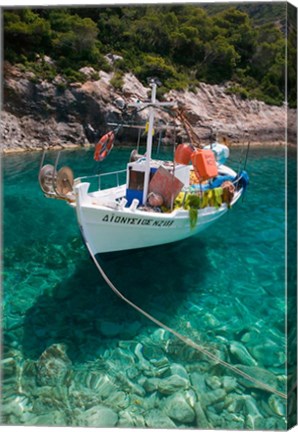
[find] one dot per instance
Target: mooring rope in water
(184, 339)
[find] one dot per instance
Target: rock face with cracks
(49, 115)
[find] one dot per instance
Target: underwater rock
(277, 405)
(121, 358)
(177, 369)
(157, 419)
(198, 382)
(98, 416)
(53, 365)
(152, 401)
(273, 423)
(210, 320)
(213, 382)
(129, 386)
(167, 385)
(229, 383)
(190, 397)
(15, 407)
(119, 400)
(82, 398)
(251, 337)
(152, 351)
(162, 362)
(219, 406)
(55, 397)
(172, 384)
(151, 384)
(161, 366)
(177, 408)
(235, 403)
(130, 419)
(201, 419)
(246, 405)
(269, 354)
(132, 372)
(213, 396)
(8, 367)
(128, 345)
(142, 362)
(214, 419)
(259, 374)
(251, 406)
(160, 335)
(255, 422)
(103, 384)
(240, 352)
(90, 379)
(53, 418)
(234, 421)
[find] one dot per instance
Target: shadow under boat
(73, 312)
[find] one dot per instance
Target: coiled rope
(184, 339)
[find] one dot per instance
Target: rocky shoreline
(42, 115)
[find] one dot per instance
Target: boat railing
(105, 180)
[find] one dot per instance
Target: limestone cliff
(37, 115)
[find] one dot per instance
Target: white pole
(149, 144)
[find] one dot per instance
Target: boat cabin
(165, 178)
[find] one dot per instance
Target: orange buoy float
(204, 164)
(183, 154)
(104, 146)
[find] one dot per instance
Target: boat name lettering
(135, 221)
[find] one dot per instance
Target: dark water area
(74, 354)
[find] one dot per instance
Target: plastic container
(183, 154)
(220, 151)
(204, 164)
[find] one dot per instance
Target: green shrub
(154, 66)
(74, 76)
(117, 80)
(180, 44)
(238, 90)
(94, 76)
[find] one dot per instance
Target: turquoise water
(74, 354)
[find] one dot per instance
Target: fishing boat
(159, 201)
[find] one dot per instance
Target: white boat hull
(113, 229)
(125, 217)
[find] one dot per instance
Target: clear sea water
(74, 354)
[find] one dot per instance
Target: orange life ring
(104, 146)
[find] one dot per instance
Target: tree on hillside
(26, 33)
(184, 44)
(220, 61)
(237, 28)
(152, 32)
(73, 35)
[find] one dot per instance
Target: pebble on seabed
(142, 399)
(277, 405)
(97, 416)
(157, 419)
(178, 409)
(53, 365)
(139, 385)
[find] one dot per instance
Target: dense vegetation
(181, 44)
